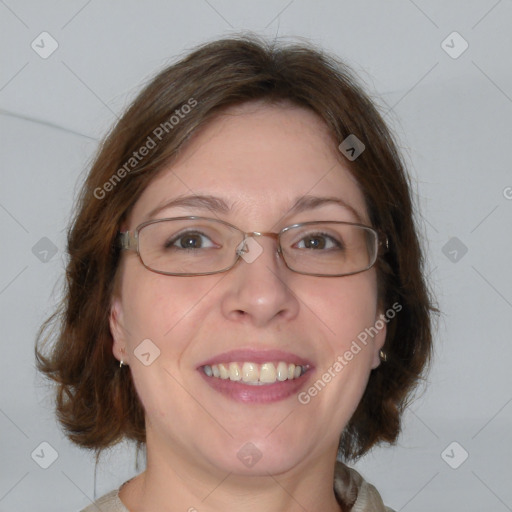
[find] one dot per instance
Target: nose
(258, 287)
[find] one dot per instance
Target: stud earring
(383, 356)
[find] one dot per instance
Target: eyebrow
(218, 205)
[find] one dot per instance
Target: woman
(245, 295)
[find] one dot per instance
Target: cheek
(345, 306)
(146, 305)
(157, 306)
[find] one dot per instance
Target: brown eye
(190, 240)
(319, 241)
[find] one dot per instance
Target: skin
(260, 159)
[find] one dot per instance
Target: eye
(190, 240)
(319, 241)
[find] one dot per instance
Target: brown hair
(96, 401)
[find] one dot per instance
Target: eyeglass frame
(129, 241)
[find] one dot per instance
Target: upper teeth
(253, 373)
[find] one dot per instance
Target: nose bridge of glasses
(262, 233)
(258, 234)
(243, 246)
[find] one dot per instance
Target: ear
(379, 339)
(117, 330)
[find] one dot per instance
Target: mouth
(255, 374)
(256, 377)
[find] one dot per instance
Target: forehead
(259, 159)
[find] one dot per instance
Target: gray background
(453, 117)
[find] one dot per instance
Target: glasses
(195, 246)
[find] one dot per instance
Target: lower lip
(260, 394)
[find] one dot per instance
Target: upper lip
(256, 356)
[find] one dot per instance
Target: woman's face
(257, 161)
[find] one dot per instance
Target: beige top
(352, 492)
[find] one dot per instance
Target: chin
(258, 455)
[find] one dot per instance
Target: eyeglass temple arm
(127, 241)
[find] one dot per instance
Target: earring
(121, 363)
(383, 356)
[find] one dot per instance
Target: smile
(255, 374)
